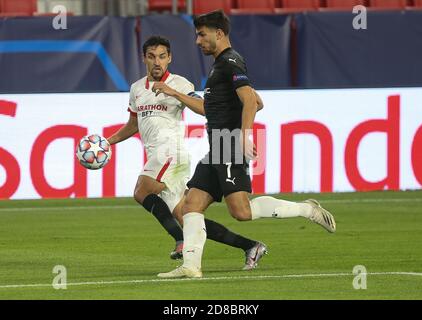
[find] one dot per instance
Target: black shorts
(221, 179)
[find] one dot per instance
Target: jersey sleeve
(132, 104)
(188, 88)
(238, 74)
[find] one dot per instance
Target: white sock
(269, 207)
(195, 235)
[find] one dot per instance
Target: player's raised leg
(269, 207)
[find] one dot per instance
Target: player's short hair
(215, 20)
(154, 41)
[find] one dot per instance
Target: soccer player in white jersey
(162, 183)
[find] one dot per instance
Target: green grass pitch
(113, 249)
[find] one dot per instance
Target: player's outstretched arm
(125, 132)
(195, 104)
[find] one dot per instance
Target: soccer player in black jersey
(230, 105)
(151, 191)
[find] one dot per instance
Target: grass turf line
(115, 240)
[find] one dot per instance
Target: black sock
(220, 233)
(161, 211)
(215, 231)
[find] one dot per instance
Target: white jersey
(162, 131)
(160, 120)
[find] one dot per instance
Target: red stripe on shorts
(163, 169)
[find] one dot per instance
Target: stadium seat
(417, 4)
(387, 4)
(165, 5)
(291, 6)
(254, 6)
(414, 5)
(18, 7)
(204, 6)
(343, 4)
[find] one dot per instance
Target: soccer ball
(93, 152)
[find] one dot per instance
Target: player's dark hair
(154, 41)
(215, 20)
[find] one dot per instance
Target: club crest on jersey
(239, 77)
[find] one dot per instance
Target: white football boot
(321, 216)
(181, 272)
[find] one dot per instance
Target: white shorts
(174, 174)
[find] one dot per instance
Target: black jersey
(223, 108)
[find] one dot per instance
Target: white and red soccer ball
(93, 151)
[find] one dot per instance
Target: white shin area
(195, 235)
(269, 207)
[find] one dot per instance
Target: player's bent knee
(177, 213)
(188, 207)
(240, 212)
(240, 216)
(139, 197)
(179, 218)
(191, 206)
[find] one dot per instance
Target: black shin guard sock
(220, 233)
(161, 211)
